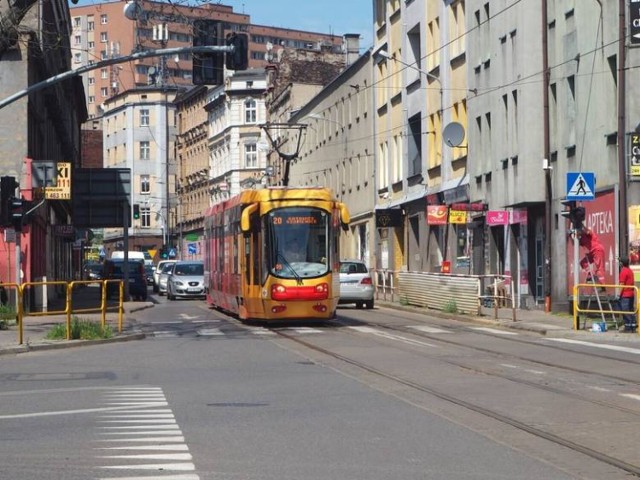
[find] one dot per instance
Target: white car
(157, 272)
(164, 276)
(356, 283)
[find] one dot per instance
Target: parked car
(163, 276)
(356, 283)
(186, 280)
(148, 270)
(157, 271)
(113, 269)
(93, 271)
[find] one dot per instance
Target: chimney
(351, 47)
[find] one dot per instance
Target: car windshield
(167, 268)
(189, 269)
(353, 267)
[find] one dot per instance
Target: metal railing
(601, 299)
(68, 310)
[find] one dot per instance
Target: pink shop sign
(497, 217)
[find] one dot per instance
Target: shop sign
(437, 214)
(497, 217)
(457, 217)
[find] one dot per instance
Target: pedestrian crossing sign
(581, 186)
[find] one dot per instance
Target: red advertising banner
(497, 217)
(437, 214)
(600, 217)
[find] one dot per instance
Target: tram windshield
(297, 242)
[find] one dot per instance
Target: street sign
(634, 21)
(581, 186)
(192, 248)
(172, 253)
(634, 157)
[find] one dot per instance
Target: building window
(145, 216)
(103, 37)
(145, 150)
(77, 39)
(145, 185)
(76, 21)
(104, 73)
(104, 92)
(91, 25)
(250, 111)
(103, 19)
(91, 45)
(92, 80)
(144, 117)
(77, 57)
(250, 155)
(92, 99)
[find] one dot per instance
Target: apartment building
(102, 31)
(235, 112)
(139, 134)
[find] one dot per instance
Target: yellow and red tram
(273, 254)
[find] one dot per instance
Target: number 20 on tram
(273, 254)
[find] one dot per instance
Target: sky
(324, 16)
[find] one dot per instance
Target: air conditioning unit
(114, 85)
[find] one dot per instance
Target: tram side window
(247, 260)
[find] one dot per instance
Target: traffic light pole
(112, 61)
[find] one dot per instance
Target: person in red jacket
(627, 296)
(595, 254)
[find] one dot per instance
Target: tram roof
(274, 194)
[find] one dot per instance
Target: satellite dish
(453, 134)
(151, 71)
(132, 10)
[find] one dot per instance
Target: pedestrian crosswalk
(141, 439)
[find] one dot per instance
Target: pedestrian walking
(627, 297)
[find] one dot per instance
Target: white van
(133, 256)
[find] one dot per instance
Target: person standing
(595, 254)
(627, 296)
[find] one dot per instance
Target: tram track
(477, 408)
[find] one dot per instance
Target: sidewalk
(548, 324)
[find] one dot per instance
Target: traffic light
(16, 212)
(8, 187)
(136, 211)
(576, 215)
(207, 68)
(239, 58)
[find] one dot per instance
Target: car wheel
(369, 304)
(155, 289)
(358, 305)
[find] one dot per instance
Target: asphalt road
(377, 395)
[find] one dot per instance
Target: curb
(58, 345)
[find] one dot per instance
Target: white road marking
(187, 476)
(603, 346)
(528, 370)
(304, 330)
(599, 389)
(390, 336)
(632, 396)
(168, 322)
(175, 438)
(154, 456)
(145, 422)
(179, 447)
(184, 316)
(141, 416)
(154, 466)
(493, 330)
(170, 426)
(177, 431)
(259, 331)
(426, 329)
(208, 332)
(139, 404)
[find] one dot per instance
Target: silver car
(157, 272)
(356, 283)
(163, 277)
(186, 280)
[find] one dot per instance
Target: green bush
(80, 330)
(7, 316)
(450, 307)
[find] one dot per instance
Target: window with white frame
(145, 185)
(77, 57)
(104, 73)
(250, 155)
(145, 150)
(92, 81)
(145, 216)
(104, 92)
(103, 55)
(91, 45)
(144, 117)
(103, 37)
(91, 25)
(92, 99)
(250, 111)
(77, 39)
(103, 19)
(76, 21)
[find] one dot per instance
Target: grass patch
(450, 307)
(80, 330)
(7, 316)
